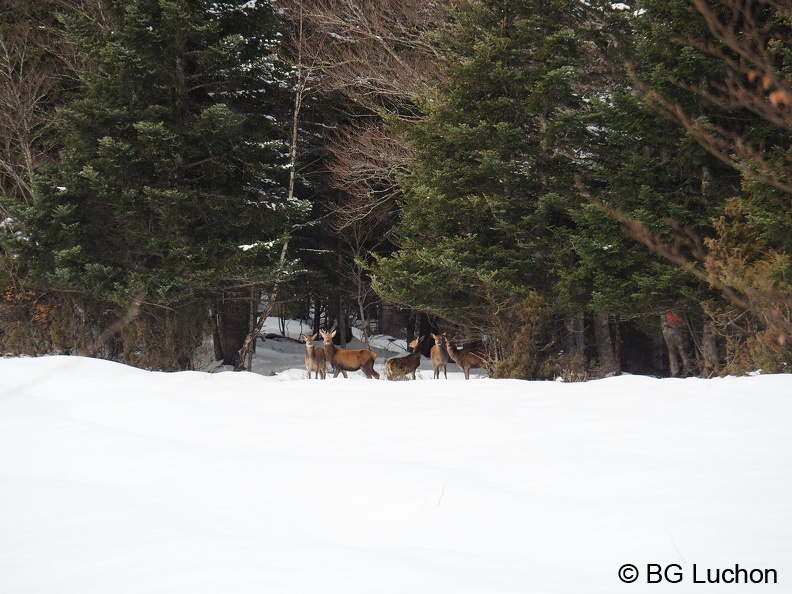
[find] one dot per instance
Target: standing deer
(407, 364)
(344, 360)
(439, 356)
(464, 358)
(314, 358)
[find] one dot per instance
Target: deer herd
(344, 360)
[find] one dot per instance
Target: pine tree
(170, 184)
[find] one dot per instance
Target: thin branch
(115, 328)
(766, 302)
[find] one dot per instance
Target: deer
(464, 358)
(344, 360)
(439, 355)
(407, 364)
(314, 357)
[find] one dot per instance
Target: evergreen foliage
(170, 184)
(479, 207)
(536, 96)
(557, 142)
(647, 167)
(695, 67)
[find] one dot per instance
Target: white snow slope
(117, 480)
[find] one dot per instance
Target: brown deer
(407, 364)
(465, 358)
(314, 358)
(439, 356)
(344, 360)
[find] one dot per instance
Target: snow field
(119, 480)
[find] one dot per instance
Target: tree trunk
(617, 345)
(607, 359)
(342, 322)
(317, 313)
(255, 300)
(361, 303)
(658, 354)
(709, 351)
(232, 325)
(574, 343)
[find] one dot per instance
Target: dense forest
(573, 187)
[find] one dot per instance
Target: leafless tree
(378, 58)
(35, 66)
(377, 53)
(302, 54)
(372, 59)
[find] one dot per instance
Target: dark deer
(464, 358)
(314, 358)
(439, 356)
(407, 364)
(344, 360)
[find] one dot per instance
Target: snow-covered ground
(116, 480)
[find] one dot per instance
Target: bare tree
(301, 54)
(36, 64)
(377, 58)
(377, 53)
(371, 59)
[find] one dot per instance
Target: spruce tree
(478, 205)
(686, 191)
(169, 187)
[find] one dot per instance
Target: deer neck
(451, 351)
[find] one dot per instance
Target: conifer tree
(496, 154)
(490, 204)
(169, 185)
(705, 186)
(643, 164)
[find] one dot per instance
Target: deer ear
(333, 333)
